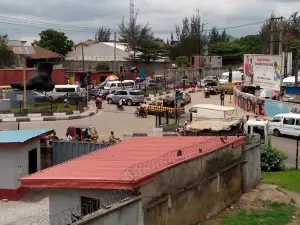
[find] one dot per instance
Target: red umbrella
(112, 78)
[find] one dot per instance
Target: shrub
(272, 159)
(102, 66)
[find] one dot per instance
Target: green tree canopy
(55, 41)
(6, 56)
(231, 52)
(182, 61)
(151, 50)
(102, 66)
(103, 35)
(133, 34)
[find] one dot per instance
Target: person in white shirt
(69, 137)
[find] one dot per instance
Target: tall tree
(103, 35)
(6, 56)
(224, 36)
(188, 35)
(214, 36)
(151, 50)
(133, 34)
(55, 41)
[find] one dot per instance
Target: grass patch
(173, 125)
(273, 213)
(153, 92)
(285, 179)
(46, 107)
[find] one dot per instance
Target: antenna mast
(131, 9)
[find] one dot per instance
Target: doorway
(32, 161)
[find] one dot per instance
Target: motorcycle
(120, 107)
(141, 113)
(206, 94)
(99, 105)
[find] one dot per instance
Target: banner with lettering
(263, 70)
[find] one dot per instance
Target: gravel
(32, 210)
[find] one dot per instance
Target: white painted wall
(14, 164)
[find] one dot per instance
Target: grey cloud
(162, 15)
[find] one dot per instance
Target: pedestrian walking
(222, 96)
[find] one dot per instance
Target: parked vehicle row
(131, 97)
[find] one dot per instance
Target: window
(289, 121)
(65, 89)
(89, 205)
(118, 93)
(136, 93)
(129, 84)
(113, 85)
(297, 122)
(118, 84)
(276, 119)
(224, 77)
(123, 92)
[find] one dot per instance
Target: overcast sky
(85, 16)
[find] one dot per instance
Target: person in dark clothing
(222, 96)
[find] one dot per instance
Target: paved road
(110, 119)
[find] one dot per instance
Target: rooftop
(21, 136)
(129, 164)
(41, 53)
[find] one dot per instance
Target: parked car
(209, 79)
(40, 97)
(72, 97)
(130, 96)
(102, 92)
(179, 85)
(151, 83)
(187, 99)
(213, 88)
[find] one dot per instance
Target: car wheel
(129, 102)
(109, 101)
(277, 133)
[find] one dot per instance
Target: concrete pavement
(110, 119)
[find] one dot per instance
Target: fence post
(20, 106)
(167, 117)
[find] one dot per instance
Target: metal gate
(63, 151)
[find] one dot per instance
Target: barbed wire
(72, 215)
(141, 170)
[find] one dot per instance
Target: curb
(38, 117)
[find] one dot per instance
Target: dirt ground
(254, 199)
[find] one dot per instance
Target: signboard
(19, 97)
(216, 61)
(263, 70)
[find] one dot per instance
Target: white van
(61, 90)
(287, 123)
(112, 86)
(236, 76)
(128, 84)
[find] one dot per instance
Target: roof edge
(90, 184)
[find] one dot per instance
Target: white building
(101, 51)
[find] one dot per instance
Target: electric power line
(74, 28)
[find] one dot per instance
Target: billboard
(263, 70)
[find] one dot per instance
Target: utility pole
(272, 37)
(280, 35)
(82, 56)
(297, 60)
(115, 52)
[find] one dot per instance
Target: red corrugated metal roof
(127, 165)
